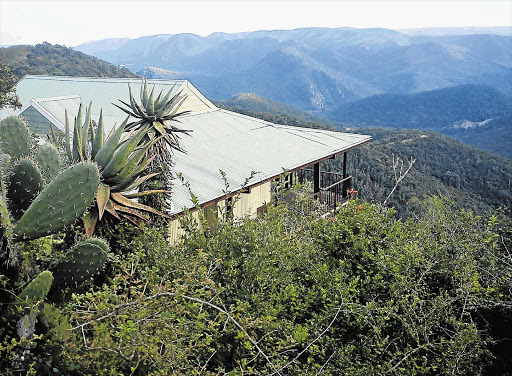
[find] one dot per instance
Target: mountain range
(314, 69)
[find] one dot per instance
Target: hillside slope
(475, 114)
(57, 60)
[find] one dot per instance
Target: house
(240, 146)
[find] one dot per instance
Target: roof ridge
(47, 99)
(104, 79)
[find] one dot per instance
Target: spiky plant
(122, 158)
(37, 200)
(159, 115)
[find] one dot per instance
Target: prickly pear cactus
(34, 292)
(15, 137)
(5, 161)
(48, 160)
(5, 221)
(86, 259)
(64, 200)
(23, 185)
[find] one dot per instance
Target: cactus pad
(48, 160)
(24, 184)
(84, 260)
(5, 220)
(35, 291)
(15, 137)
(64, 200)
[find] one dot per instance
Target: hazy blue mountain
(92, 48)
(432, 110)
(436, 31)
(475, 114)
(315, 68)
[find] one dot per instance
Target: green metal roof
(239, 144)
(103, 92)
(41, 111)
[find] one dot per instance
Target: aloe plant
(122, 159)
(158, 115)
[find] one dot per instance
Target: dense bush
(355, 293)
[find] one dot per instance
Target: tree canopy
(8, 96)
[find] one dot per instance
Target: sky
(71, 22)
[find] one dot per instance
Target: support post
(316, 177)
(346, 183)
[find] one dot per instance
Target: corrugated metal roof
(238, 144)
(50, 110)
(103, 92)
(220, 139)
(58, 105)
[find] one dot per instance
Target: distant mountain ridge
(315, 68)
(427, 110)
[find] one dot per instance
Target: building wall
(246, 205)
(36, 121)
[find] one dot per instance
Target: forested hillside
(429, 110)
(57, 60)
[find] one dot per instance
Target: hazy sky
(71, 22)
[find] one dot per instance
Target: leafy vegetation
(8, 96)
(357, 293)
(57, 60)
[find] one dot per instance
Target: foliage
(57, 60)
(357, 293)
(471, 179)
(8, 97)
(157, 116)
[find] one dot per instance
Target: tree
(8, 96)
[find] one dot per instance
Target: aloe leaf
(68, 140)
(165, 99)
(102, 198)
(118, 160)
(132, 183)
(146, 193)
(99, 138)
(120, 199)
(151, 103)
(77, 137)
(85, 130)
(131, 165)
(105, 154)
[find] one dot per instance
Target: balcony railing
(332, 188)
